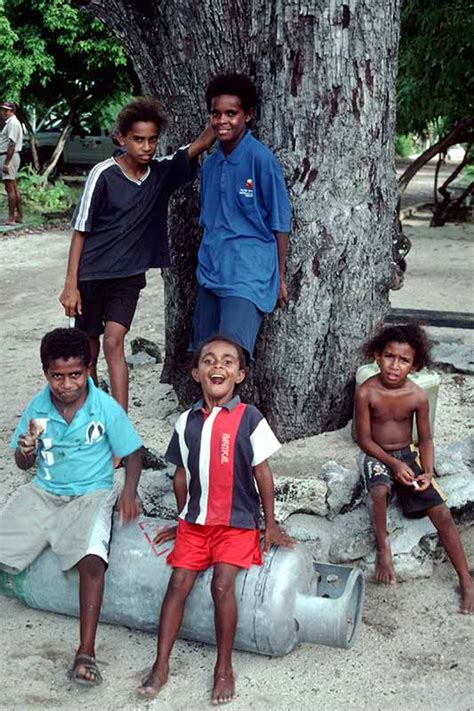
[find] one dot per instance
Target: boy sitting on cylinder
(72, 430)
(385, 406)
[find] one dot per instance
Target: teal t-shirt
(76, 458)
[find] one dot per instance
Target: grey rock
(342, 485)
(454, 357)
(155, 490)
(314, 531)
(152, 459)
(143, 345)
(457, 458)
(306, 495)
(138, 360)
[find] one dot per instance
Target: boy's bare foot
(152, 684)
(224, 686)
(467, 598)
(384, 569)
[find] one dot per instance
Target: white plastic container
(426, 379)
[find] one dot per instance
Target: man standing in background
(11, 141)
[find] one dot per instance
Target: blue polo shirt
(244, 201)
(125, 220)
(76, 458)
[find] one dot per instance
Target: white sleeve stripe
(204, 464)
(264, 443)
(86, 199)
(181, 429)
(171, 155)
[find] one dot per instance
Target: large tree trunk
(326, 72)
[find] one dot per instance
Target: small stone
(152, 459)
(137, 360)
(143, 345)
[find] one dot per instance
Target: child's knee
(92, 566)
(379, 492)
(113, 346)
(222, 586)
(181, 582)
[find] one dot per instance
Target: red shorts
(198, 547)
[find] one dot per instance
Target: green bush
(404, 145)
(52, 196)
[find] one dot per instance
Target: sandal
(89, 664)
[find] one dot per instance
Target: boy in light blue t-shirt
(71, 430)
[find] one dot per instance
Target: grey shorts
(414, 504)
(74, 526)
(13, 167)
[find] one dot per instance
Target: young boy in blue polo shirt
(220, 448)
(120, 232)
(246, 216)
(71, 430)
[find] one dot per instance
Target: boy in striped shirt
(220, 447)
(120, 232)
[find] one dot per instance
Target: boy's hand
(423, 481)
(202, 143)
(282, 294)
(403, 474)
(27, 445)
(276, 536)
(128, 507)
(166, 534)
(70, 298)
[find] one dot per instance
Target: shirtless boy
(385, 406)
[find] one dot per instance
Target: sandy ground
(414, 650)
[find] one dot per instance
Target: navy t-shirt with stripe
(218, 451)
(125, 220)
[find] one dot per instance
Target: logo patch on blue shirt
(94, 432)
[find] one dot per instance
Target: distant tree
(435, 84)
(53, 54)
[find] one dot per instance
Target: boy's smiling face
(229, 120)
(141, 141)
(218, 372)
(396, 362)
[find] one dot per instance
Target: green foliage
(57, 196)
(52, 53)
(436, 70)
(404, 145)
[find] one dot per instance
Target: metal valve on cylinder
(288, 600)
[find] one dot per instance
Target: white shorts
(74, 526)
(13, 167)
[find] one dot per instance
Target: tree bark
(325, 71)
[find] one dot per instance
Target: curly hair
(235, 85)
(143, 108)
(411, 333)
(65, 343)
(218, 337)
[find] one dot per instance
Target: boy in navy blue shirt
(220, 448)
(246, 215)
(71, 429)
(120, 233)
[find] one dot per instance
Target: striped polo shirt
(218, 451)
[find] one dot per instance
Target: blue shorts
(231, 316)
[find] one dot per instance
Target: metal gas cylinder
(289, 599)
